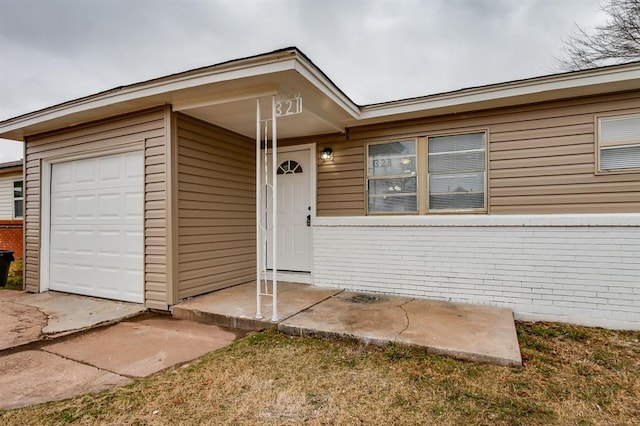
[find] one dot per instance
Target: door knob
(309, 220)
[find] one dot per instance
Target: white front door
(294, 210)
(96, 228)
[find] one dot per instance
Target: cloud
(10, 150)
(373, 50)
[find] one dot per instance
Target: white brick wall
(582, 269)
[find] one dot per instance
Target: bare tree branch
(614, 42)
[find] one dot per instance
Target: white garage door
(97, 245)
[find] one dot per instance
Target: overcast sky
(53, 51)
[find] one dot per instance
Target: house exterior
(523, 194)
(11, 207)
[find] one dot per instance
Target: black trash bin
(6, 257)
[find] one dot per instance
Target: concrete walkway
(463, 331)
(55, 346)
(34, 368)
(103, 358)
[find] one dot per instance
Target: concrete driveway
(55, 365)
(26, 318)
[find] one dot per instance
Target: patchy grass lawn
(572, 375)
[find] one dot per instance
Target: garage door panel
(61, 209)
(134, 206)
(97, 218)
(111, 169)
(123, 207)
(83, 207)
(78, 239)
(110, 206)
(61, 176)
(84, 172)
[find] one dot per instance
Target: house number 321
(385, 162)
(289, 106)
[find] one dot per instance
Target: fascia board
(518, 91)
(15, 170)
(162, 88)
(313, 75)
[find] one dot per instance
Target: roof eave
(534, 90)
(11, 167)
(158, 91)
(161, 90)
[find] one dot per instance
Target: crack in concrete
(47, 316)
(406, 315)
(85, 363)
(311, 306)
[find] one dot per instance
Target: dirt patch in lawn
(572, 375)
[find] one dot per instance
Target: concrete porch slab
(235, 307)
(463, 331)
(144, 347)
(33, 377)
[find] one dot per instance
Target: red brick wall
(11, 232)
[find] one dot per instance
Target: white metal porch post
(258, 215)
(274, 207)
(262, 208)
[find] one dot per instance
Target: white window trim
(13, 204)
(599, 146)
(416, 176)
(484, 209)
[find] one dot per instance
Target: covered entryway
(295, 185)
(96, 227)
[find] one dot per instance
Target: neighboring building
(11, 207)
(523, 194)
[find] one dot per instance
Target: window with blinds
(619, 143)
(456, 172)
(391, 177)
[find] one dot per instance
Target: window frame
(367, 178)
(598, 147)
(14, 198)
(485, 179)
(422, 172)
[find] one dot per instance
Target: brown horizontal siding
(144, 130)
(547, 165)
(340, 181)
(156, 284)
(216, 207)
(541, 158)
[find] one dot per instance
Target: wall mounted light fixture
(326, 154)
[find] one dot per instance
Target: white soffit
(323, 111)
